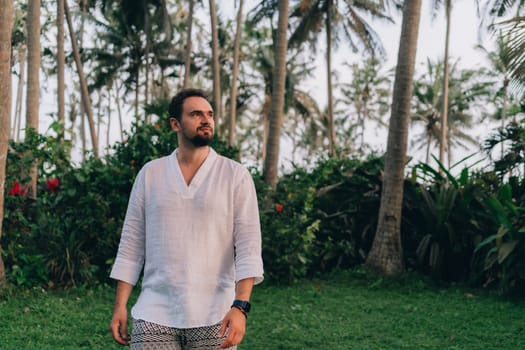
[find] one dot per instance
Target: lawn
(350, 310)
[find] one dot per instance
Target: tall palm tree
(22, 58)
(61, 61)
(386, 255)
(217, 95)
(506, 102)
(271, 162)
(444, 107)
(6, 24)
(514, 28)
(338, 16)
(33, 77)
(83, 84)
(468, 89)
(367, 95)
(235, 74)
(189, 28)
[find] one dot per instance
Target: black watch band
(242, 305)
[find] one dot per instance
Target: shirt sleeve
(247, 230)
(130, 256)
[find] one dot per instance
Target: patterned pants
(151, 336)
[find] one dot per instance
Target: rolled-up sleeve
(247, 230)
(130, 256)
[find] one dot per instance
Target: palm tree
(507, 103)
(6, 24)
(217, 96)
(83, 84)
(513, 29)
(340, 16)
(187, 64)
(19, 55)
(22, 57)
(444, 107)
(368, 95)
(235, 74)
(33, 79)
(271, 162)
(468, 89)
(61, 60)
(386, 255)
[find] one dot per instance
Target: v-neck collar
(199, 177)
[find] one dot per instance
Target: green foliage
(310, 223)
(446, 219)
(513, 157)
(347, 204)
(462, 228)
(503, 251)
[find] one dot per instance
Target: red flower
(52, 184)
(16, 190)
(278, 208)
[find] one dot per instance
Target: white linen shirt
(194, 241)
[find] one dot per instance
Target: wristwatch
(242, 305)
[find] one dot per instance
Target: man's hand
(235, 323)
(119, 326)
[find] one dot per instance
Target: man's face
(196, 124)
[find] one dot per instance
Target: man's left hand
(235, 323)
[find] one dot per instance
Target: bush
(69, 234)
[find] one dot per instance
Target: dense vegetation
(467, 228)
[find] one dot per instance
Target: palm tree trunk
(504, 111)
(61, 67)
(83, 11)
(108, 130)
(271, 162)
(215, 66)
(147, 29)
(235, 74)
(6, 26)
(331, 125)
(427, 157)
(119, 113)
(33, 79)
(187, 63)
(444, 107)
(265, 113)
(83, 84)
(99, 115)
(137, 93)
(22, 53)
(386, 255)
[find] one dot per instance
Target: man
(193, 223)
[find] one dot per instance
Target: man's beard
(200, 140)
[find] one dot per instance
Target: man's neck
(192, 155)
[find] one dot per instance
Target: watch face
(245, 305)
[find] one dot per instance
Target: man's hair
(175, 107)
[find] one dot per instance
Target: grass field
(348, 310)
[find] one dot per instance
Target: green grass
(344, 311)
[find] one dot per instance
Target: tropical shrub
(319, 219)
(446, 221)
(501, 254)
(347, 203)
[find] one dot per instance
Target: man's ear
(174, 123)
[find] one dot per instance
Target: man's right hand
(119, 326)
